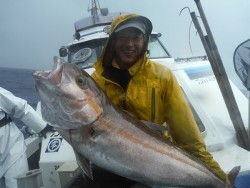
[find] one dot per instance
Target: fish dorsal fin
(233, 174)
(160, 132)
(154, 127)
(84, 164)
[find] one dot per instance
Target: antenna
(94, 8)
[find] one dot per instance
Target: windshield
(156, 49)
(86, 54)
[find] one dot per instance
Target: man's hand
(48, 128)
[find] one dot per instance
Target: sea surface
(20, 82)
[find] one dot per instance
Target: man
(146, 89)
(13, 160)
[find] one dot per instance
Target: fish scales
(112, 139)
(126, 140)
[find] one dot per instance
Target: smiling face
(129, 45)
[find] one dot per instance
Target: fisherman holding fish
(13, 160)
(147, 90)
(105, 137)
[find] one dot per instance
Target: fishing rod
(221, 76)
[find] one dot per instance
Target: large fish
(102, 134)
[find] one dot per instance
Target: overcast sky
(32, 31)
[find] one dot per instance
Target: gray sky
(32, 31)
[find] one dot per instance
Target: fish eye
(81, 82)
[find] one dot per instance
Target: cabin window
(156, 48)
(86, 54)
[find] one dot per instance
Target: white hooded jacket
(12, 144)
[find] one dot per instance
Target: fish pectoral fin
(233, 174)
(84, 164)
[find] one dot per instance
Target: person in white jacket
(13, 160)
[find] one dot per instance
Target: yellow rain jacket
(153, 94)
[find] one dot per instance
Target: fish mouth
(54, 74)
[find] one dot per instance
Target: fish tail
(233, 174)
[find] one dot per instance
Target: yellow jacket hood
(108, 52)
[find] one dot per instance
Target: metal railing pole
(221, 77)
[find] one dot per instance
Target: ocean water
(20, 82)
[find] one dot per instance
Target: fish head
(69, 96)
